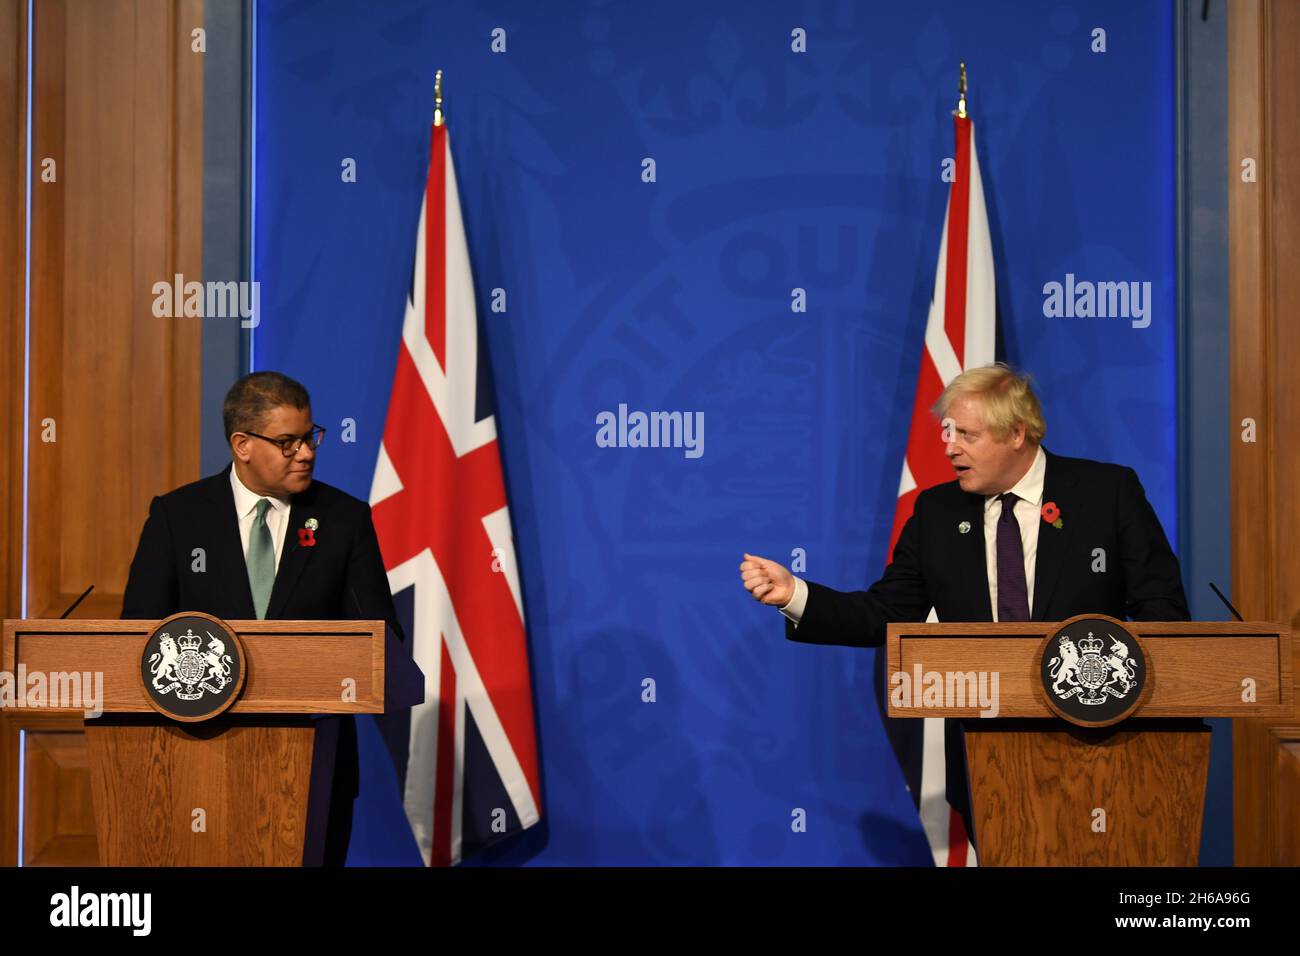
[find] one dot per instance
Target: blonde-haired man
(1013, 538)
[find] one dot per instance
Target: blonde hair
(1006, 397)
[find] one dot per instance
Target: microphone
(73, 606)
(1226, 602)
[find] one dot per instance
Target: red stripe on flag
(925, 449)
(925, 458)
(954, 311)
(435, 242)
(445, 783)
(954, 322)
(957, 842)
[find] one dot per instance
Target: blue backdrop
(775, 170)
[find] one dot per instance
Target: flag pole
(961, 93)
(437, 98)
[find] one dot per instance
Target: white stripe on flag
(934, 797)
(934, 807)
(940, 349)
(497, 526)
(908, 481)
(458, 791)
(386, 482)
(981, 281)
(454, 396)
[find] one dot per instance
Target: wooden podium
(1046, 792)
(232, 790)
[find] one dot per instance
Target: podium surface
(1046, 791)
(231, 790)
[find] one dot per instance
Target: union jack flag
(469, 774)
(960, 334)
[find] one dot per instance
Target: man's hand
(767, 581)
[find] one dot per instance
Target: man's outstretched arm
(816, 614)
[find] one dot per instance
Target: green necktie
(261, 560)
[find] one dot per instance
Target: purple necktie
(1013, 593)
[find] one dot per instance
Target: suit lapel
(227, 548)
(295, 557)
(1058, 488)
(969, 555)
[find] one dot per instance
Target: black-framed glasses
(289, 446)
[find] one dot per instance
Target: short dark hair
(255, 395)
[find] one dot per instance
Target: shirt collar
(1030, 486)
(246, 501)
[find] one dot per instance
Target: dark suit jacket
(341, 577)
(934, 565)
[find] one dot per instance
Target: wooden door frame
(1264, 336)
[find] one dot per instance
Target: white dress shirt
(1028, 507)
(277, 516)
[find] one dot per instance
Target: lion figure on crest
(162, 663)
(1064, 668)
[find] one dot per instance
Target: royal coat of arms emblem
(192, 666)
(1093, 671)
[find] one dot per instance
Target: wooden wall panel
(13, 270)
(117, 104)
(13, 229)
(59, 827)
(1264, 285)
(118, 107)
(1287, 754)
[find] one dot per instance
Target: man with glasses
(262, 540)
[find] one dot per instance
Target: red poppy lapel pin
(1052, 515)
(307, 533)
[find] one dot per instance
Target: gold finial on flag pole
(961, 92)
(437, 98)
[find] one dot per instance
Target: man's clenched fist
(767, 581)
